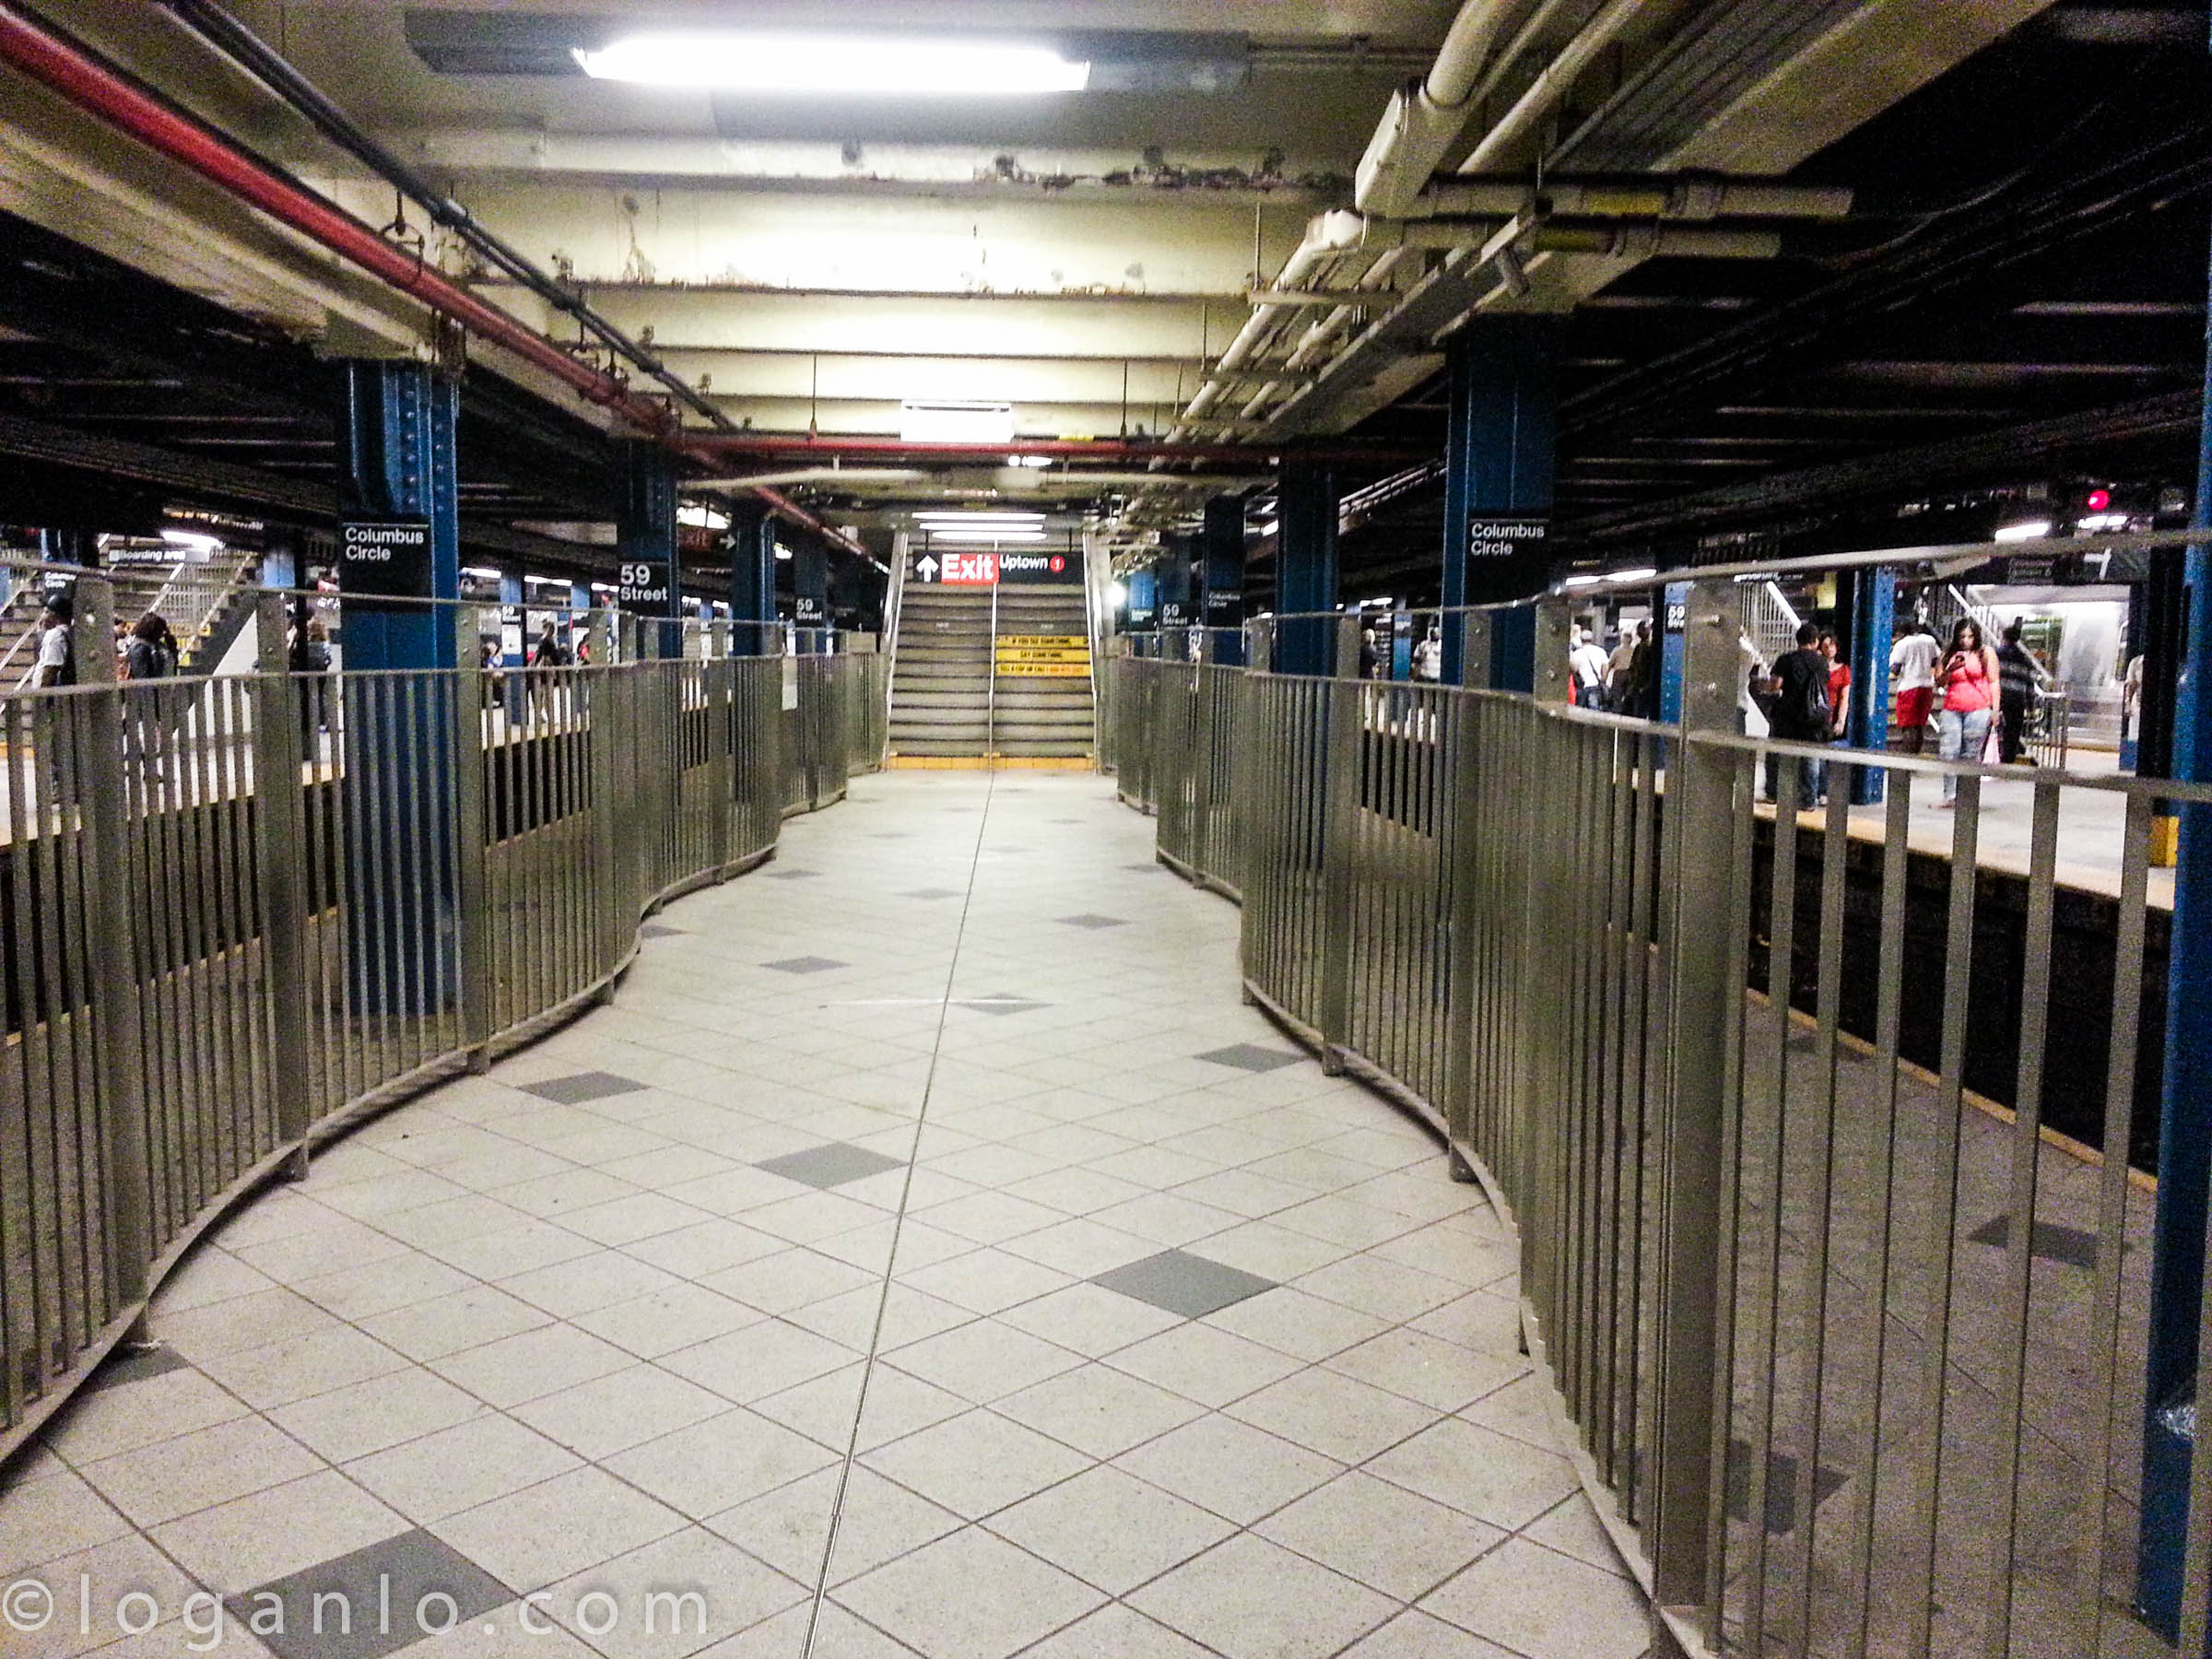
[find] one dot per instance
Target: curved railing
(1794, 1117)
(239, 913)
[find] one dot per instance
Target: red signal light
(2098, 500)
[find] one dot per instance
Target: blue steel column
(400, 462)
(1873, 620)
(1174, 575)
(752, 580)
(645, 535)
(2177, 1262)
(810, 591)
(1224, 596)
(1499, 458)
(1305, 569)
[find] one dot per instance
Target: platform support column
(1178, 615)
(752, 580)
(1224, 600)
(1305, 569)
(405, 735)
(1499, 454)
(810, 598)
(2171, 1586)
(650, 583)
(1873, 620)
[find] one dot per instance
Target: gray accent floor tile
(1089, 919)
(659, 930)
(933, 893)
(384, 1618)
(1002, 1005)
(1251, 1057)
(584, 1086)
(128, 1367)
(793, 874)
(1182, 1283)
(828, 1166)
(806, 964)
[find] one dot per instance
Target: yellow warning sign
(1034, 654)
(1063, 641)
(1043, 670)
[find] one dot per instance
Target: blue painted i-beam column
(752, 580)
(1873, 620)
(1224, 596)
(1305, 569)
(1172, 577)
(1499, 456)
(401, 477)
(2177, 1262)
(810, 597)
(650, 583)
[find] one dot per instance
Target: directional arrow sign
(925, 567)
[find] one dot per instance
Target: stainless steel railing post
(115, 987)
(1340, 777)
(280, 862)
(1701, 1002)
(469, 735)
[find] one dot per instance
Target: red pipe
(89, 85)
(710, 446)
(64, 69)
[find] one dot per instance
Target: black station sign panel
(385, 558)
(1174, 613)
(642, 585)
(1509, 554)
(1018, 566)
(809, 612)
(1224, 610)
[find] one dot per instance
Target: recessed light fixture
(2032, 529)
(876, 66)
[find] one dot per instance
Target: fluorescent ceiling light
(1036, 463)
(702, 517)
(482, 572)
(779, 63)
(1581, 581)
(2030, 531)
(196, 541)
(1117, 593)
(989, 537)
(782, 552)
(994, 515)
(1641, 573)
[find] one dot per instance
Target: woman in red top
(1967, 680)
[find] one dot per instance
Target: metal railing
(1842, 1319)
(238, 911)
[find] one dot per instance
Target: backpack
(1809, 711)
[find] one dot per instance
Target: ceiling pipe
(93, 87)
(216, 28)
(1556, 79)
(797, 445)
(1424, 118)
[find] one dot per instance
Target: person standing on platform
(1586, 663)
(2019, 674)
(1620, 671)
(57, 649)
(1838, 692)
(1912, 670)
(1968, 678)
(1801, 713)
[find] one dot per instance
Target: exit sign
(970, 569)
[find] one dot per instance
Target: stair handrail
(991, 689)
(894, 610)
(8, 656)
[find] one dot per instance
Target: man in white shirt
(57, 654)
(1913, 673)
(1587, 664)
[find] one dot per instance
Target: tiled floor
(933, 1259)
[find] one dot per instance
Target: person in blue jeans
(1801, 713)
(1967, 680)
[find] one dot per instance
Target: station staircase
(980, 673)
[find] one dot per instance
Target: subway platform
(923, 1252)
